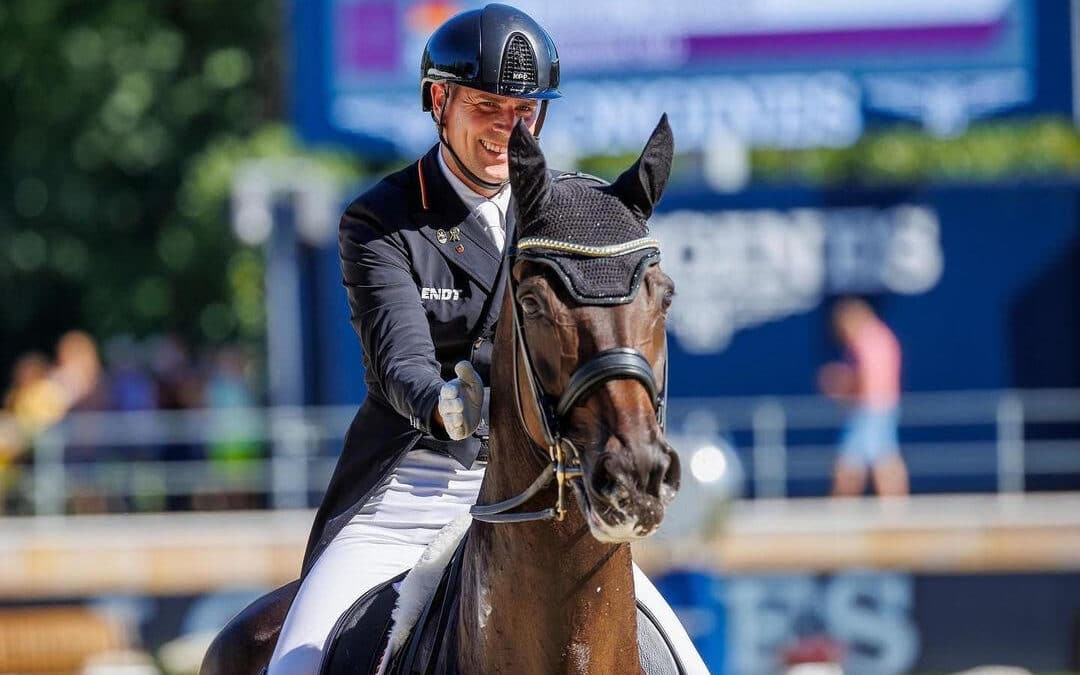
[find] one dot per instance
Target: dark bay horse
(586, 372)
(578, 385)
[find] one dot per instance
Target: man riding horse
(423, 254)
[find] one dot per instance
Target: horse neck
(542, 596)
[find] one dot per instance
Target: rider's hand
(461, 401)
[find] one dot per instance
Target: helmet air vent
(518, 71)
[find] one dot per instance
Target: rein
(562, 456)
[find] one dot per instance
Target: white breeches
(386, 537)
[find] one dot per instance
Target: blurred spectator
(868, 380)
(78, 367)
(34, 400)
(233, 452)
(130, 385)
(31, 403)
(129, 388)
(11, 443)
(40, 394)
(138, 375)
(179, 386)
(228, 383)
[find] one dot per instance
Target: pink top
(875, 355)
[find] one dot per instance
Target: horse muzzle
(625, 491)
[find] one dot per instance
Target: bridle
(561, 455)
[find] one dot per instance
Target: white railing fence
(283, 457)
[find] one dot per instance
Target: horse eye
(665, 301)
(530, 306)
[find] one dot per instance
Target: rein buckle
(563, 475)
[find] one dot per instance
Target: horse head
(590, 301)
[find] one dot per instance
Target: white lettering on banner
(440, 294)
(782, 110)
(739, 269)
(870, 251)
(915, 262)
(868, 613)
(946, 102)
(871, 613)
(613, 115)
(754, 70)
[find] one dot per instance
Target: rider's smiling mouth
(492, 147)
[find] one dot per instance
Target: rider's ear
(529, 177)
(640, 186)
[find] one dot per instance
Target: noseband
(562, 457)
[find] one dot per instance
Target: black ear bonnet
(592, 234)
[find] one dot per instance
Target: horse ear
(529, 179)
(640, 186)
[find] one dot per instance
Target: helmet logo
(518, 72)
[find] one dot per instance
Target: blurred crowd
(159, 373)
(217, 467)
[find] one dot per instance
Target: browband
(609, 251)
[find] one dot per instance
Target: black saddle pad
(360, 636)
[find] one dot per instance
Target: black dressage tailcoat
(424, 285)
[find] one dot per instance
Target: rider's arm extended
(389, 317)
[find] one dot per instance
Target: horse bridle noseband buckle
(563, 458)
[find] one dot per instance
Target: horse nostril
(673, 475)
(665, 472)
(658, 474)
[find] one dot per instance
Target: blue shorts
(870, 436)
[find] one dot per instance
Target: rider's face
(478, 125)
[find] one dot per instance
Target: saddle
(361, 636)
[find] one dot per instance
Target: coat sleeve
(388, 316)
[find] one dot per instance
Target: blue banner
(881, 623)
(770, 73)
(981, 285)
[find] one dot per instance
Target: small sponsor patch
(440, 294)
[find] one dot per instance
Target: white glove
(461, 401)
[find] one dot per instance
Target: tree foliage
(121, 121)
(992, 151)
(1005, 150)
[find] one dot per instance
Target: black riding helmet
(498, 49)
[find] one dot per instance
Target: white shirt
(493, 219)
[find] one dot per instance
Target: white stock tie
(490, 216)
